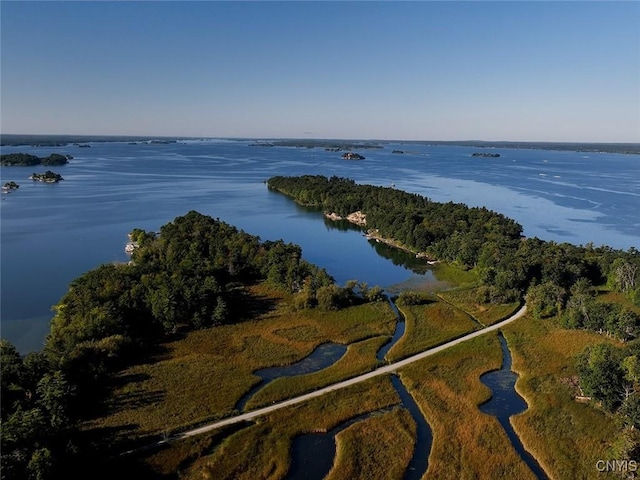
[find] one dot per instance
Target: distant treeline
(15, 140)
(327, 144)
(25, 159)
(62, 140)
(629, 148)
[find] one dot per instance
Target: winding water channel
(313, 454)
(322, 357)
(397, 334)
(424, 438)
(505, 402)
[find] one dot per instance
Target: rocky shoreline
(360, 219)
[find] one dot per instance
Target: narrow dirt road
(387, 369)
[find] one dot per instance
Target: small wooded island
(485, 154)
(9, 186)
(352, 156)
(47, 177)
(27, 160)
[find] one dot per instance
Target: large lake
(51, 233)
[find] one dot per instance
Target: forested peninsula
(508, 264)
(194, 274)
(25, 159)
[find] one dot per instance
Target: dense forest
(25, 159)
(610, 377)
(509, 266)
(447, 231)
(191, 275)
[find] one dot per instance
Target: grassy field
(429, 325)
(262, 450)
(484, 313)
(201, 376)
(567, 437)
(378, 447)
(360, 358)
(467, 444)
(453, 274)
(616, 297)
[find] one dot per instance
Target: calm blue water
(50, 234)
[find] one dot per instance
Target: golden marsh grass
(359, 358)
(379, 447)
(262, 450)
(466, 443)
(485, 313)
(202, 376)
(567, 437)
(429, 325)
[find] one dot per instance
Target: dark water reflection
(506, 402)
(424, 437)
(401, 258)
(322, 357)
(313, 454)
(397, 334)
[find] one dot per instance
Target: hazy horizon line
(309, 138)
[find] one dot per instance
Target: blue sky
(528, 71)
